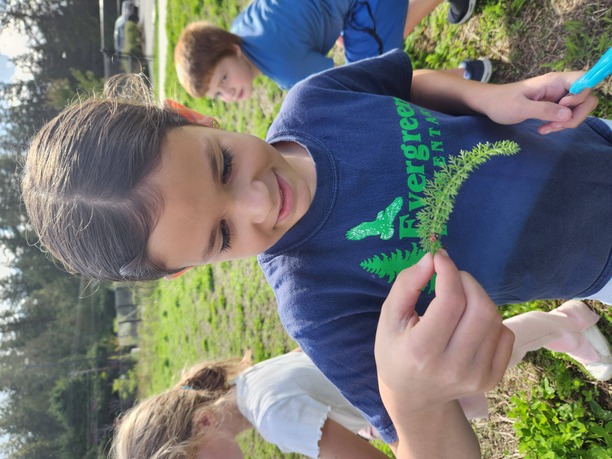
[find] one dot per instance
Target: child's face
(225, 196)
(232, 79)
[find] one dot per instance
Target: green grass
(221, 311)
(210, 313)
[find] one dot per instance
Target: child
(125, 192)
(289, 401)
(288, 41)
(286, 399)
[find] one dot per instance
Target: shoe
(478, 70)
(593, 349)
(460, 11)
(601, 369)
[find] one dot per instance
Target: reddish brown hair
(200, 48)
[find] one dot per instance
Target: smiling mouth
(286, 199)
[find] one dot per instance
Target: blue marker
(597, 73)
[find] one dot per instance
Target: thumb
(399, 306)
(547, 111)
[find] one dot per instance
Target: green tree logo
(389, 266)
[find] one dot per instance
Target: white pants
(559, 330)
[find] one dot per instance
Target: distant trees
(55, 343)
(56, 331)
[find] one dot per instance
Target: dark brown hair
(84, 184)
(200, 48)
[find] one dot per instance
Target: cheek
(237, 453)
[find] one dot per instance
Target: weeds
(561, 418)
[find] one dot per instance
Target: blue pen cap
(597, 73)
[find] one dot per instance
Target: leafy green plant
(562, 419)
(440, 193)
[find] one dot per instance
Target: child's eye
(226, 237)
(228, 161)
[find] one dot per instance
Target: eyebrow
(213, 157)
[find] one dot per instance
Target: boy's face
(225, 196)
(232, 79)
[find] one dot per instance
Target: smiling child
(122, 191)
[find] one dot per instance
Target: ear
(204, 421)
(178, 274)
(237, 50)
(190, 115)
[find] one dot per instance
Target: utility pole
(106, 55)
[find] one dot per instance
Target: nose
(228, 94)
(255, 202)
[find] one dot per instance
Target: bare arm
(442, 432)
(544, 97)
(459, 347)
(337, 442)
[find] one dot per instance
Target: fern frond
(440, 193)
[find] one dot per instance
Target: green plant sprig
(440, 193)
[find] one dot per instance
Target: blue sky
(12, 43)
(7, 69)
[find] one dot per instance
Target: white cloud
(5, 263)
(12, 44)
(5, 271)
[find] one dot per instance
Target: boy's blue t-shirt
(288, 40)
(534, 225)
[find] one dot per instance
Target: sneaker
(593, 350)
(601, 369)
(477, 70)
(460, 11)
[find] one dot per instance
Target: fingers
(398, 308)
(480, 313)
(547, 111)
(445, 310)
(482, 332)
(578, 105)
(502, 355)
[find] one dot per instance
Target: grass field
(547, 407)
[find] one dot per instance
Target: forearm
(337, 442)
(545, 98)
(442, 432)
(445, 92)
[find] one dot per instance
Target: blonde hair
(200, 48)
(163, 426)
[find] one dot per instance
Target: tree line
(58, 352)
